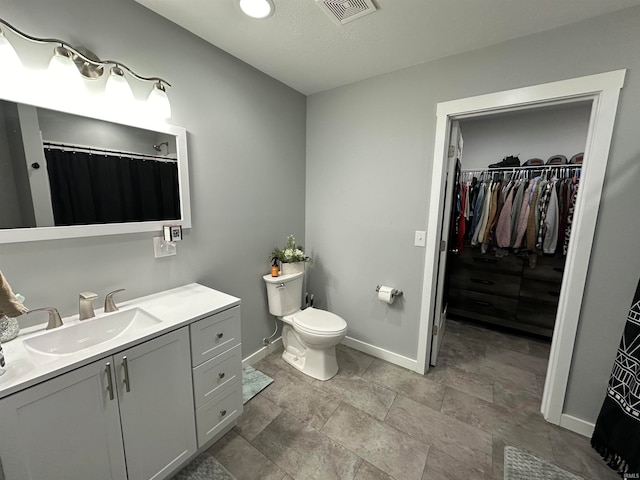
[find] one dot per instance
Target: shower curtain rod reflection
(68, 147)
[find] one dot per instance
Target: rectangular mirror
(64, 175)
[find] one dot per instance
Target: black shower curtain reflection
(93, 189)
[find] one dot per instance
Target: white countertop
(175, 308)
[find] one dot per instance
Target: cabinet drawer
(472, 259)
(213, 376)
(547, 269)
(482, 305)
(486, 282)
(215, 415)
(213, 335)
(540, 291)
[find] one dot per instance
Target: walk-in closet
(511, 223)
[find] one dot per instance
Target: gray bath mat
(519, 465)
(204, 467)
(253, 382)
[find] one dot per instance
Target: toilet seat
(318, 322)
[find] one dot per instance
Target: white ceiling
(303, 48)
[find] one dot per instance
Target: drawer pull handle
(223, 413)
(485, 260)
(125, 365)
(484, 282)
(553, 293)
(221, 374)
(109, 380)
(480, 302)
(220, 335)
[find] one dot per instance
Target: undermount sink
(88, 333)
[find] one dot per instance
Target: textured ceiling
(302, 47)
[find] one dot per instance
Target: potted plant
(291, 258)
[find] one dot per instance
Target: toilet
(310, 336)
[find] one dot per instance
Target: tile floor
(376, 421)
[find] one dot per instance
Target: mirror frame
(89, 109)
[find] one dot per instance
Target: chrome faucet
(85, 305)
(109, 304)
(54, 317)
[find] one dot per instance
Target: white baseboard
(263, 352)
(577, 425)
(381, 353)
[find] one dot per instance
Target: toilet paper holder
(394, 293)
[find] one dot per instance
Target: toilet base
(317, 363)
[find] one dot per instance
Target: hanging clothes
(503, 228)
(524, 216)
(551, 222)
(572, 208)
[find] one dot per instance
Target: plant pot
(289, 268)
(9, 329)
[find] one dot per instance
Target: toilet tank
(284, 293)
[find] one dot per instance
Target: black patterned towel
(617, 433)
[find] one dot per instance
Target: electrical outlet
(162, 248)
(420, 239)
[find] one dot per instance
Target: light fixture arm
(93, 61)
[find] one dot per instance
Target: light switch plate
(162, 248)
(420, 239)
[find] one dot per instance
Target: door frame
(603, 91)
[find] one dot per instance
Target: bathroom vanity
(136, 406)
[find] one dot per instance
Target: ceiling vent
(345, 11)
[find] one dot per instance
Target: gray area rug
(253, 382)
(519, 465)
(204, 467)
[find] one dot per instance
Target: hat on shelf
(577, 158)
(557, 160)
(510, 161)
(532, 162)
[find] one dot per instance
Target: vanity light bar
(89, 65)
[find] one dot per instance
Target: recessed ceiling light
(257, 8)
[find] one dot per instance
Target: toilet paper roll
(385, 294)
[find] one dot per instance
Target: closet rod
(68, 147)
(517, 169)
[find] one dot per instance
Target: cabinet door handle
(480, 302)
(109, 380)
(553, 293)
(223, 413)
(559, 269)
(484, 282)
(485, 260)
(221, 374)
(220, 335)
(125, 365)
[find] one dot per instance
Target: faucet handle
(54, 317)
(109, 304)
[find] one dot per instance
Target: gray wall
(534, 134)
(369, 151)
(246, 138)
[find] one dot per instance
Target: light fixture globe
(158, 101)
(9, 59)
(117, 88)
(63, 74)
(257, 8)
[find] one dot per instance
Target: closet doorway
(601, 92)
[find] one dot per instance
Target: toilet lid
(318, 321)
